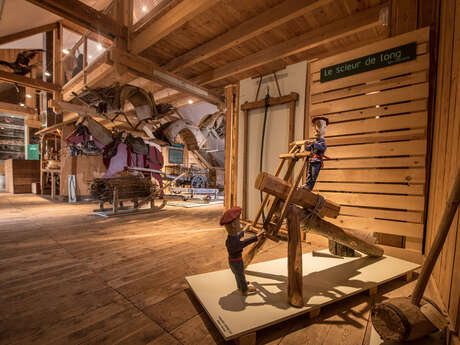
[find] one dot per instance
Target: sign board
(371, 62)
(33, 152)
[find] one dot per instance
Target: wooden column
(231, 145)
(295, 273)
(58, 72)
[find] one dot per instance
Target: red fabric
(230, 215)
(155, 162)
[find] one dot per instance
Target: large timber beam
(147, 69)
(16, 109)
(29, 82)
(264, 22)
(85, 16)
(175, 18)
(27, 33)
(355, 23)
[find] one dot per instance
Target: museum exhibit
(249, 172)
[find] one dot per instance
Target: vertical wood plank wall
(446, 157)
(376, 140)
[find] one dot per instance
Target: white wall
(291, 79)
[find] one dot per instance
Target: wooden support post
(410, 276)
(245, 162)
(373, 291)
(314, 313)
(247, 339)
(53, 186)
(295, 273)
(231, 146)
(115, 200)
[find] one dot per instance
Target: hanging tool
(267, 105)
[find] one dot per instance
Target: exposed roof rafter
(172, 20)
(85, 16)
(354, 23)
(265, 21)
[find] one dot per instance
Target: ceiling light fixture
(28, 96)
(144, 9)
(48, 74)
(90, 56)
(190, 101)
(22, 104)
(65, 51)
(99, 46)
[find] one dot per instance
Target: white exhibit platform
(325, 280)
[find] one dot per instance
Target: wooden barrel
(397, 319)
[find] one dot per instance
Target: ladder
(272, 224)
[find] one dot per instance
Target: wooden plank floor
(67, 277)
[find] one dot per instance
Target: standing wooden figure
(235, 245)
(317, 149)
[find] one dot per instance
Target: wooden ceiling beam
(104, 41)
(26, 33)
(84, 15)
(16, 109)
(354, 23)
(172, 20)
(264, 22)
(145, 68)
(28, 82)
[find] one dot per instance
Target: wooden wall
(376, 140)
(446, 157)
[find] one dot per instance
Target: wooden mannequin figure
(231, 220)
(317, 149)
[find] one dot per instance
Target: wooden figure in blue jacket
(317, 149)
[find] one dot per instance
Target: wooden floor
(67, 277)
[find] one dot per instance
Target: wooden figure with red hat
(235, 245)
(317, 149)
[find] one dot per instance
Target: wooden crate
(20, 174)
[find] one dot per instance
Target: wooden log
(301, 196)
(295, 273)
(316, 225)
(399, 320)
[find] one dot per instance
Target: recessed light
(28, 96)
(377, 106)
(21, 104)
(190, 101)
(65, 51)
(144, 9)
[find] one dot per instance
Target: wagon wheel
(159, 207)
